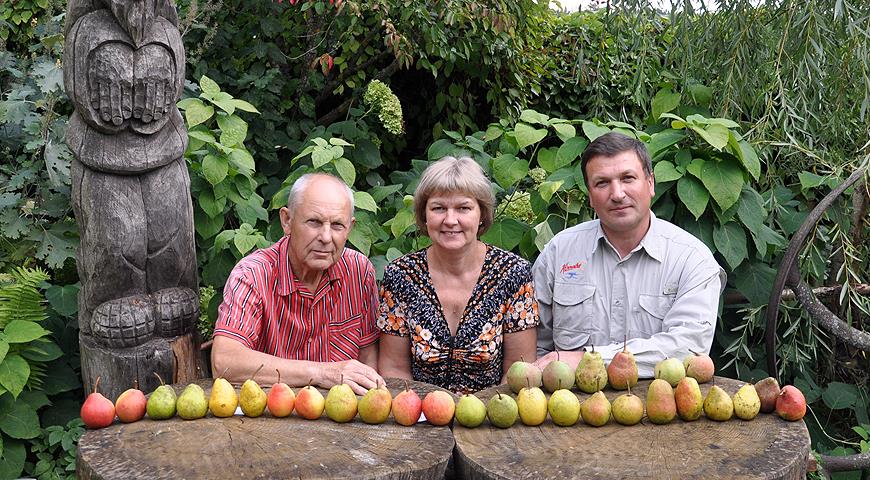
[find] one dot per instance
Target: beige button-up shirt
(664, 295)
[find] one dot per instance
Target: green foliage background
(752, 114)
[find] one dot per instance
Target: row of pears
(592, 376)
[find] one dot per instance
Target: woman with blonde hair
(458, 313)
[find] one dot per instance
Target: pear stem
(96, 384)
(159, 378)
(407, 385)
(629, 387)
(136, 383)
(593, 348)
(557, 359)
(224, 373)
(257, 371)
(309, 382)
(625, 343)
(278, 371)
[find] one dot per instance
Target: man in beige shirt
(626, 274)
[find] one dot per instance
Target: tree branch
(830, 322)
(845, 463)
(340, 110)
(735, 298)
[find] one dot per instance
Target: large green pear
(192, 404)
(470, 411)
(341, 403)
(502, 410)
(161, 403)
(564, 407)
(591, 376)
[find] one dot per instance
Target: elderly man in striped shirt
(306, 306)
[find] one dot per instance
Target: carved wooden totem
(124, 71)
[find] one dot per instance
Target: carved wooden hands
(125, 83)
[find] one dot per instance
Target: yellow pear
(532, 405)
(223, 399)
(252, 398)
(746, 402)
(718, 405)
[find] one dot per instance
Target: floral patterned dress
(503, 301)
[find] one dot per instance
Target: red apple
(407, 407)
(438, 407)
(97, 411)
(281, 399)
(130, 405)
(791, 404)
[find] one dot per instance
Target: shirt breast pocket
(573, 309)
(345, 335)
(651, 313)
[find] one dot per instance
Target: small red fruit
(97, 411)
(407, 407)
(438, 406)
(791, 404)
(130, 405)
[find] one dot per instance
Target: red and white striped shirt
(267, 309)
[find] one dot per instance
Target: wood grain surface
(764, 448)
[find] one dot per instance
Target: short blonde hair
(455, 175)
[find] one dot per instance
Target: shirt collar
(286, 279)
(651, 243)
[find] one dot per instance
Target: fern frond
(21, 299)
(37, 375)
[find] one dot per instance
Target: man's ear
(352, 223)
(284, 216)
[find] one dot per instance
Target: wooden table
(265, 447)
(766, 447)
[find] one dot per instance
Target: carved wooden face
(135, 16)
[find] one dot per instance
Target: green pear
(627, 408)
(557, 374)
(660, 405)
(670, 369)
(564, 407)
(532, 406)
(718, 405)
(591, 376)
(223, 399)
(502, 410)
(374, 406)
(192, 404)
(252, 398)
(341, 403)
(470, 411)
(596, 409)
(522, 373)
(746, 402)
(690, 402)
(161, 403)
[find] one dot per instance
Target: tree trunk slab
(764, 448)
(266, 447)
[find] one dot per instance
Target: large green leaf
(547, 159)
(211, 206)
(565, 131)
(840, 395)
(531, 116)
(196, 112)
(754, 280)
(398, 224)
(19, 421)
(12, 461)
(765, 236)
(724, 181)
(548, 188)
(4, 349)
(14, 372)
(21, 331)
(233, 130)
(693, 195)
(743, 151)
(730, 240)
(440, 149)
(666, 172)
(505, 233)
(702, 229)
(64, 299)
(365, 201)
(42, 350)
(209, 86)
(215, 168)
(345, 170)
(543, 234)
(508, 169)
(593, 131)
(751, 210)
(715, 134)
(664, 101)
(660, 141)
(527, 135)
(569, 151)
